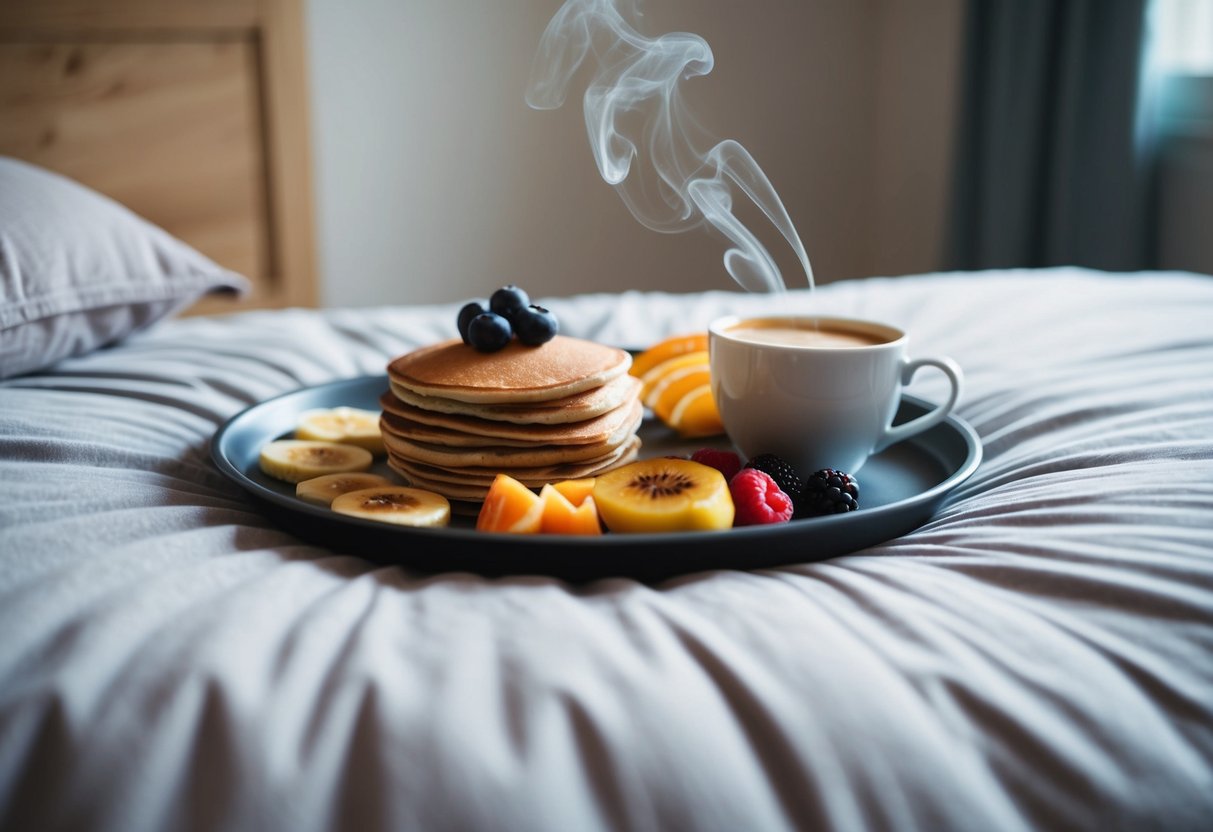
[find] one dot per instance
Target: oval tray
(900, 489)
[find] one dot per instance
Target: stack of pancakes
(454, 417)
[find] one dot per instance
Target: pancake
(465, 499)
(463, 493)
(455, 417)
(502, 457)
(418, 432)
(531, 477)
(446, 426)
(575, 408)
(518, 373)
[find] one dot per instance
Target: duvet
(1037, 655)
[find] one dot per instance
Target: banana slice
(396, 504)
(346, 425)
(295, 460)
(323, 490)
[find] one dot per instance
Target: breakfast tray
(900, 489)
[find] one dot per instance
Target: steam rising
(635, 116)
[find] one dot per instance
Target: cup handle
(951, 369)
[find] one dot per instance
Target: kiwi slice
(663, 495)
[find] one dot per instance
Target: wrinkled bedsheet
(1038, 655)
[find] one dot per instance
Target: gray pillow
(79, 271)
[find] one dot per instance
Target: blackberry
(776, 468)
(828, 491)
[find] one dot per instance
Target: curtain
(1048, 171)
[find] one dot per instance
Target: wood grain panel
(134, 121)
(193, 113)
(28, 17)
(287, 120)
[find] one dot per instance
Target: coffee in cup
(791, 334)
(818, 392)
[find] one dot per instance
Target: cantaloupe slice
(510, 507)
(561, 517)
(575, 491)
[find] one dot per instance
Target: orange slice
(667, 349)
(653, 380)
(695, 414)
(510, 507)
(676, 386)
(561, 517)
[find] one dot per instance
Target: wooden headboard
(193, 113)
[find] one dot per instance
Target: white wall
(436, 182)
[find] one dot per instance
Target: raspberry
(828, 491)
(757, 500)
(726, 462)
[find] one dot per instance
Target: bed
(1035, 654)
(1038, 654)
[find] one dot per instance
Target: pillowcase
(79, 271)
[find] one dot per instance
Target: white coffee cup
(818, 392)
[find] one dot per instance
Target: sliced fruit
(575, 491)
(560, 516)
(666, 349)
(673, 387)
(323, 490)
(347, 425)
(395, 504)
(652, 379)
(295, 460)
(663, 495)
(510, 507)
(696, 414)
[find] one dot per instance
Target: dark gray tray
(899, 491)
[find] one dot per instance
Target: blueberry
(508, 301)
(489, 332)
(470, 310)
(535, 325)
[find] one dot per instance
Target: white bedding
(1038, 655)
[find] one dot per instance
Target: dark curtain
(1047, 168)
